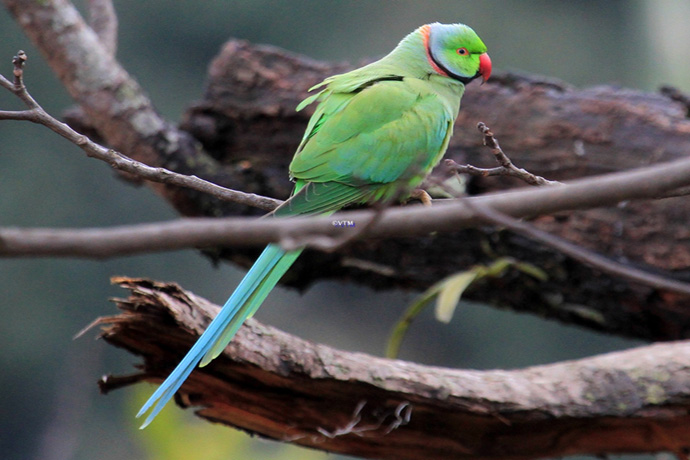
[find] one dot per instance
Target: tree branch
(116, 105)
(118, 161)
(579, 253)
(248, 129)
(505, 168)
(632, 401)
(444, 216)
(103, 21)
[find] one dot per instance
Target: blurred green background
(50, 406)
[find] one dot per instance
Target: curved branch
(279, 386)
(113, 101)
(37, 114)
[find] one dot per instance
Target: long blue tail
(247, 298)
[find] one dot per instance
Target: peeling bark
(279, 386)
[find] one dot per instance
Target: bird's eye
(462, 51)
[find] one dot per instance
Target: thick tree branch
(115, 104)
(248, 128)
(279, 386)
(103, 21)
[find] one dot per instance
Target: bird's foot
(421, 195)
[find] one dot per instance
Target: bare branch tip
(484, 129)
(18, 61)
(20, 58)
(489, 139)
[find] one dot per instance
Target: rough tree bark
(248, 129)
(243, 135)
(279, 386)
(547, 127)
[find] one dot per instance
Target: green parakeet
(375, 134)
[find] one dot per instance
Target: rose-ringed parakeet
(374, 136)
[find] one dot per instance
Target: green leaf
(403, 324)
(450, 293)
(400, 328)
(532, 270)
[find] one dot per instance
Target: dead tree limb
(279, 386)
(248, 130)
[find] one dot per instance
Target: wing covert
(389, 130)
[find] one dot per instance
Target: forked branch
(505, 168)
(118, 161)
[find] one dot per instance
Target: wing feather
(392, 130)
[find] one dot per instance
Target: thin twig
(20, 115)
(36, 114)
(505, 168)
(577, 252)
(17, 87)
(19, 60)
(444, 216)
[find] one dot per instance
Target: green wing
(368, 145)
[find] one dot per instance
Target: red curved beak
(485, 66)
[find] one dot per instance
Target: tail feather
(252, 302)
(252, 290)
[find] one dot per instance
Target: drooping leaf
(400, 328)
(449, 295)
(449, 291)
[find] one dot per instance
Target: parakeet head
(455, 51)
